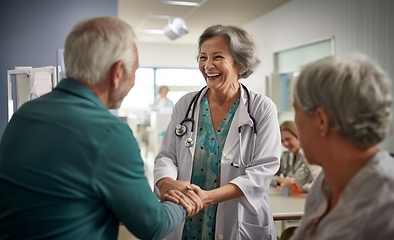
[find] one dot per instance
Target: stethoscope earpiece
(180, 130)
(189, 142)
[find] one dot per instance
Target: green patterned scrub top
(206, 169)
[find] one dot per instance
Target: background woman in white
(163, 101)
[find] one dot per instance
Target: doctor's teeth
(213, 75)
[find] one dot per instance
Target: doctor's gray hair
(241, 46)
(355, 93)
(94, 45)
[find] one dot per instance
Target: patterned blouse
(206, 169)
(298, 168)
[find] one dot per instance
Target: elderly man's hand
(188, 199)
(177, 192)
(167, 184)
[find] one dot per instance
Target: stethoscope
(181, 128)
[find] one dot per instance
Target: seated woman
(295, 172)
(342, 111)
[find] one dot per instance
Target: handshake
(191, 197)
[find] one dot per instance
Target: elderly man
(71, 170)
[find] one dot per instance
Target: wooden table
(286, 207)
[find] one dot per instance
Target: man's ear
(323, 120)
(117, 74)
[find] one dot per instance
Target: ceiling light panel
(153, 31)
(182, 3)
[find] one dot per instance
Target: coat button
(228, 156)
(220, 236)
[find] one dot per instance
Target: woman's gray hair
(241, 46)
(94, 45)
(354, 91)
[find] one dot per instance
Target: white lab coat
(247, 217)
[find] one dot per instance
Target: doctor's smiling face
(217, 64)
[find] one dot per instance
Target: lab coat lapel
(241, 118)
(196, 119)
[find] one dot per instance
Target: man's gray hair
(94, 45)
(354, 91)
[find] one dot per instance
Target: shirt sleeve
(119, 179)
(314, 171)
(166, 162)
(283, 163)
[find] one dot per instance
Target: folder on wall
(40, 83)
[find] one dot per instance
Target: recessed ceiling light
(181, 3)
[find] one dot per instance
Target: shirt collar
(243, 117)
(77, 88)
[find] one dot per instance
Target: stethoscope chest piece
(189, 142)
(180, 130)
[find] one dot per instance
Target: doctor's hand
(202, 194)
(217, 195)
(187, 199)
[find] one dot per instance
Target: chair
(287, 233)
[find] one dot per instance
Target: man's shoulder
(76, 114)
(110, 123)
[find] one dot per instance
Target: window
(291, 59)
(147, 83)
(142, 94)
(179, 81)
(287, 64)
(287, 81)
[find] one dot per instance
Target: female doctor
(223, 143)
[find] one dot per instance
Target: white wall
(180, 56)
(167, 55)
(357, 25)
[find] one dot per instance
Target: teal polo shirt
(71, 170)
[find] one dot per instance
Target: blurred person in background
(295, 172)
(163, 101)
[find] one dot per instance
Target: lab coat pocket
(252, 232)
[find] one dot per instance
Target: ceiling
(147, 15)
